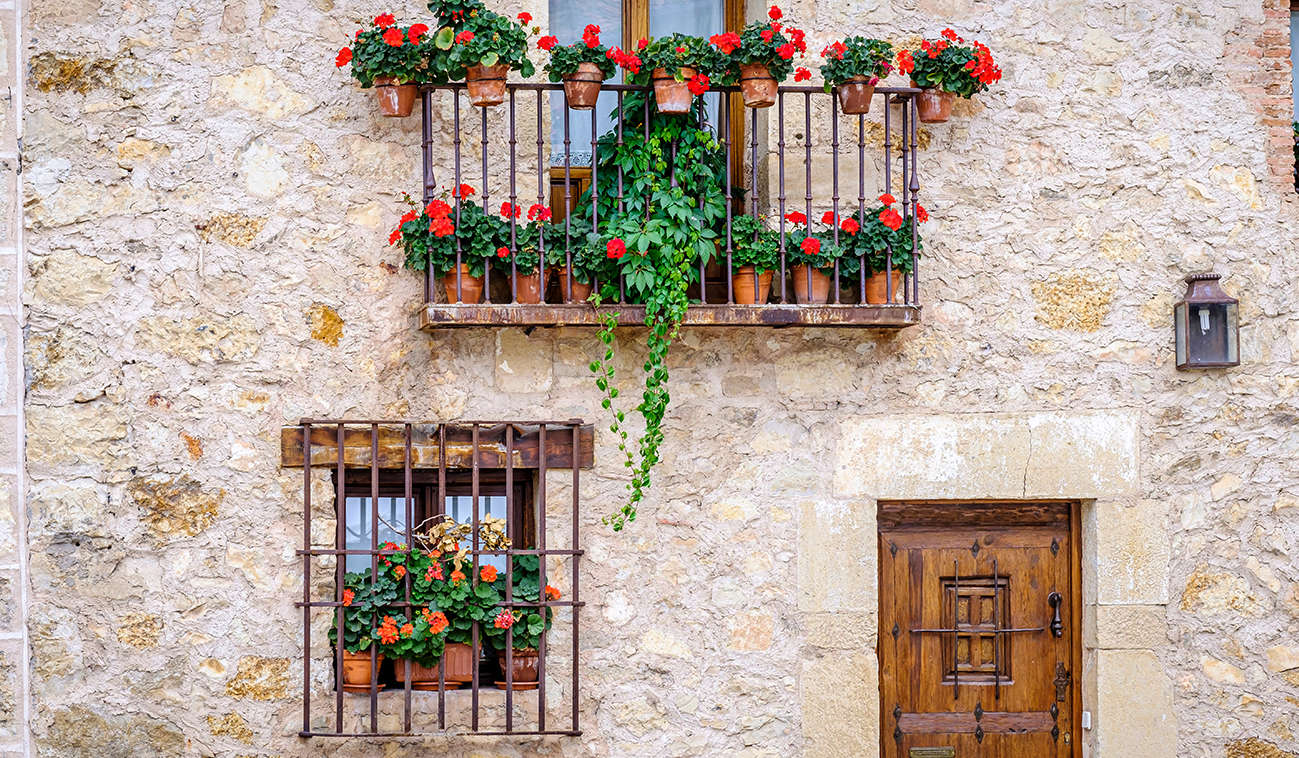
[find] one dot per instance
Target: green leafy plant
(363, 601)
(806, 245)
(564, 59)
(528, 241)
(853, 57)
(583, 247)
(950, 64)
(753, 243)
(479, 37)
(678, 51)
(877, 235)
(527, 623)
(386, 50)
(764, 43)
(430, 235)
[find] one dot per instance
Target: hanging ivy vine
(666, 220)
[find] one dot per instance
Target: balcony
(801, 155)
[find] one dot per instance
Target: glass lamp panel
(567, 20)
(357, 527)
(1179, 319)
(1233, 333)
(1207, 334)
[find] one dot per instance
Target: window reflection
(567, 20)
(392, 527)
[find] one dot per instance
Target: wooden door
(979, 634)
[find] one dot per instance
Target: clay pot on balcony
(877, 288)
(811, 286)
(525, 668)
(580, 291)
(458, 660)
(486, 84)
(934, 106)
(673, 96)
(471, 287)
(750, 287)
(582, 88)
(356, 670)
(528, 289)
(421, 677)
(396, 100)
(757, 85)
(855, 95)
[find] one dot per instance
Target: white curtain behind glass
(567, 20)
(699, 18)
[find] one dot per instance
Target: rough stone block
(1132, 552)
(837, 563)
(1134, 712)
(524, 362)
(840, 701)
(969, 456)
(1129, 627)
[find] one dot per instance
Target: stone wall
(207, 204)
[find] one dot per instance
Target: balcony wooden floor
(442, 315)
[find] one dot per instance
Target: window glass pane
(392, 527)
(700, 18)
(459, 507)
(567, 20)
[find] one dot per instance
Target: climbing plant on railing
(663, 222)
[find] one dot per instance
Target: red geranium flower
(384, 20)
(615, 248)
(726, 42)
(680, 49)
(441, 227)
(504, 620)
(891, 218)
(811, 245)
(407, 217)
(591, 35)
(641, 43)
(698, 84)
(457, 576)
(905, 63)
(399, 572)
(539, 211)
(465, 36)
(437, 621)
(774, 13)
(801, 74)
(887, 199)
(395, 236)
(407, 629)
(767, 35)
(850, 226)
(507, 210)
(797, 37)
(547, 42)
(835, 51)
(487, 573)
(502, 252)
(415, 32)
(827, 217)
(785, 51)
(348, 595)
(525, 18)
(437, 209)
(393, 36)
(344, 57)
(463, 190)
(922, 215)
(552, 593)
(794, 217)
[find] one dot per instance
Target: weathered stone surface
(68, 278)
(1209, 593)
(260, 678)
(845, 685)
(200, 340)
(139, 630)
(1222, 672)
(326, 325)
(1256, 748)
(1077, 300)
(79, 732)
(1135, 709)
(1132, 554)
(172, 508)
(1120, 627)
(233, 229)
(230, 725)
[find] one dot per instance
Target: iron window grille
(419, 466)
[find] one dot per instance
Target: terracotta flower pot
(580, 291)
(673, 96)
(458, 659)
(876, 287)
(757, 85)
(934, 106)
(356, 668)
(486, 84)
(421, 677)
(396, 100)
(582, 88)
(471, 287)
(525, 664)
(749, 287)
(820, 284)
(855, 95)
(528, 289)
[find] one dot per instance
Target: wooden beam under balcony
(443, 315)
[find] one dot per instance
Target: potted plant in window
(881, 238)
(581, 66)
(759, 57)
(811, 255)
(485, 46)
(525, 262)
(527, 623)
(679, 68)
(389, 58)
(755, 255)
(363, 601)
(854, 66)
(588, 255)
(947, 68)
(431, 237)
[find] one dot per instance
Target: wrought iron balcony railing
(800, 155)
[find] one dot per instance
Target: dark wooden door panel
(969, 653)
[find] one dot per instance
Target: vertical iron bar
(541, 548)
(725, 129)
(576, 460)
(473, 579)
(374, 568)
(753, 164)
(408, 490)
(440, 510)
(861, 198)
(888, 187)
(456, 195)
(595, 177)
(807, 176)
(306, 578)
(568, 197)
(834, 197)
(915, 188)
(509, 574)
(340, 538)
(426, 154)
(541, 194)
(487, 208)
(703, 269)
(514, 203)
(780, 149)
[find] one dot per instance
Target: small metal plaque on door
(932, 752)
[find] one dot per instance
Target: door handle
(1057, 625)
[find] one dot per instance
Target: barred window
(458, 598)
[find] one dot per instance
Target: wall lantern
(1208, 328)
